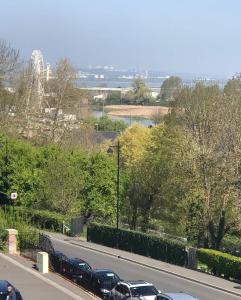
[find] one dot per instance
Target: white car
(134, 289)
(175, 296)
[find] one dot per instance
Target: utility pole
(110, 151)
(118, 185)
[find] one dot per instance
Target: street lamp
(110, 151)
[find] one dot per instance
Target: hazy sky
(194, 36)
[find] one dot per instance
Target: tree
(169, 88)
(132, 143)
(233, 87)
(212, 197)
(141, 92)
(99, 192)
(8, 61)
(61, 95)
(63, 178)
(106, 124)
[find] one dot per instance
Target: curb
(157, 269)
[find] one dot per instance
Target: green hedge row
(40, 218)
(220, 263)
(137, 242)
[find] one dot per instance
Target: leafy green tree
(170, 87)
(63, 178)
(141, 92)
(209, 120)
(99, 192)
(106, 124)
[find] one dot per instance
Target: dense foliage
(27, 234)
(66, 181)
(137, 242)
(220, 263)
(42, 219)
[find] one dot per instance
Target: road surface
(131, 271)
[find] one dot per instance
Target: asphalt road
(132, 271)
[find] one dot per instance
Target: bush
(40, 218)
(27, 235)
(139, 243)
(3, 239)
(220, 263)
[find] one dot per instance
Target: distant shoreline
(146, 112)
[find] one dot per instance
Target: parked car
(134, 289)
(101, 282)
(175, 296)
(56, 260)
(75, 269)
(4, 288)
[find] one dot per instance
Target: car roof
(77, 260)
(103, 271)
(3, 285)
(132, 283)
(179, 296)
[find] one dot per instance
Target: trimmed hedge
(220, 263)
(140, 243)
(40, 218)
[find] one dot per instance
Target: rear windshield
(107, 276)
(80, 267)
(144, 291)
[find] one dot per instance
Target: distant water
(113, 83)
(128, 120)
(154, 83)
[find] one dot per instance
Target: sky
(173, 36)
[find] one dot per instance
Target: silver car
(175, 296)
(132, 290)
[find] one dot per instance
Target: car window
(125, 290)
(107, 276)
(144, 291)
(120, 288)
(84, 266)
(161, 298)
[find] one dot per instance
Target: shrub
(3, 239)
(139, 243)
(27, 235)
(40, 218)
(220, 263)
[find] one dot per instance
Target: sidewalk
(34, 285)
(194, 276)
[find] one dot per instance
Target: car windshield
(80, 267)
(149, 290)
(83, 266)
(107, 276)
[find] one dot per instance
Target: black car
(56, 260)
(75, 268)
(100, 282)
(4, 284)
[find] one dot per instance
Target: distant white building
(100, 97)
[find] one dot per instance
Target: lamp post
(110, 150)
